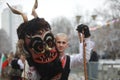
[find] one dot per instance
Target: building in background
(10, 22)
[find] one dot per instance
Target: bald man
(70, 61)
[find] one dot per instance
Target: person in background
(17, 65)
(21, 61)
(0, 63)
(6, 65)
(94, 56)
(93, 65)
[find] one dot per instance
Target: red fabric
(63, 61)
(5, 64)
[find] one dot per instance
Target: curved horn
(34, 7)
(19, 13)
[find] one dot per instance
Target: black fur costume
(48, 63)
(37, 42)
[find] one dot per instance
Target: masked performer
(37, 42)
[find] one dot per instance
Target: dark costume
(94, 56)
(93, 65)
(37, 42)
(15, 72)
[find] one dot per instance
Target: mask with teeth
(38, 43)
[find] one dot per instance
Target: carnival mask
(42, 47)
(37, 36)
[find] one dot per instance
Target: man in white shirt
(74, 60)
(69, 61)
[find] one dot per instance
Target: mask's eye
(37, 45)
(49, 39)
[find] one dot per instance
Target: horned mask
(38, 43)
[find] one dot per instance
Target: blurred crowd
(11, 66)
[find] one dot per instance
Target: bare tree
(114, 7)
(5, 42)
(107, 38)
(61, 24)
(110, 11)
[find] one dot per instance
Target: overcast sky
(53, 8)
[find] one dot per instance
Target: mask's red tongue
(46, 57)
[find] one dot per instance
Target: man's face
(61, 43)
